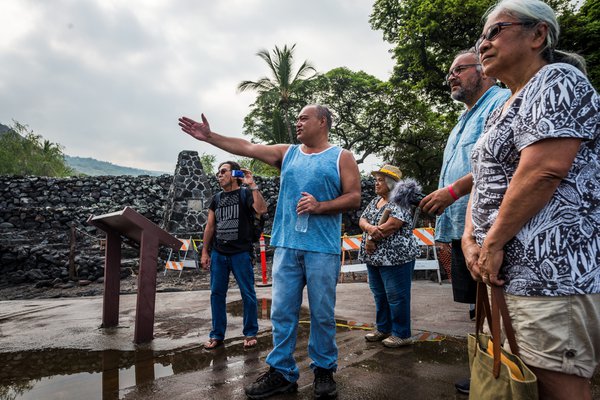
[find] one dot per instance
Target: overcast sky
(108, 78)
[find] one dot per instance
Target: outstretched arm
(270, 154)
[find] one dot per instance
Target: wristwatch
(254, 188)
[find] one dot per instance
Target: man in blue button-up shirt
(481, 96)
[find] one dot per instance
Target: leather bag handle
(498, 309)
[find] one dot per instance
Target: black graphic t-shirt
(233, 231)
(557, 252)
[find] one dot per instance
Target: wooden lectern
(134, 226)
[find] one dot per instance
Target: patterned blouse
(396, 249)
(557, 252)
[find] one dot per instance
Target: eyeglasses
(494, 30)
(456, 71)
(222, 171)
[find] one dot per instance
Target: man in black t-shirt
(228, 248)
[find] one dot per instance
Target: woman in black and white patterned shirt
(534, 221)
(389, 249)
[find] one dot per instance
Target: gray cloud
(109, 79)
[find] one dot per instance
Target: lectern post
(134, 226)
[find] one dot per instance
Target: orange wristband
(452, 192)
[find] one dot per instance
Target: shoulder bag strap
(482, 308)
(508, 329)
(495, 328)
(499, 308)
(483, 311)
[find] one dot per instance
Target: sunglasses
(222, 171)
(494, 30)
(456, 71)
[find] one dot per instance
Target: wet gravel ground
(171, 282)
(189, 280)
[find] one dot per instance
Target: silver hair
(532, 12)
(473, 51)
(470, 50)
(389, 182)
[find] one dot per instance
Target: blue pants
(243, 271)
(391, 288)
(292, 270)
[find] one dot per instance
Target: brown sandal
(250, 342)
(212, 343)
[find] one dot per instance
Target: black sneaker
(268, 384)
(324, 385)
(463, 385)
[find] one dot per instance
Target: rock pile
(41, 218)
(44, 237)
(188, 198)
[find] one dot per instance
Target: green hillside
(93, 167)
(23, 152)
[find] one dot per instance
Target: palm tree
(283, 82)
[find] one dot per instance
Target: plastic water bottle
(302, 222)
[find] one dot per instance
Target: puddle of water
(68, 374)
(236, 309)
(450, 351)
(81, 374)
(76, 374)
(83, 385)
(110, 375)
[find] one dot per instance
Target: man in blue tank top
(322, 181)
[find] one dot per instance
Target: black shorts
(464, 288)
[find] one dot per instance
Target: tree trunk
(288, 125)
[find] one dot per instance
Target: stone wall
(41, 203)
(38, 216)
(38, 213)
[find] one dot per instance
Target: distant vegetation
(258, 167)
(24, 153)
(92, 167)
(208, 163)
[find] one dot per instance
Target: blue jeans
(391, 288)
(292, 270)
(243, 271)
